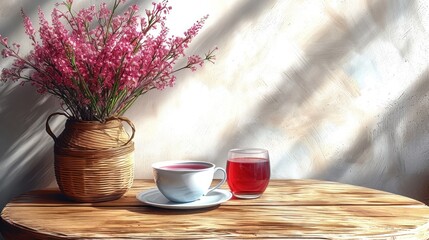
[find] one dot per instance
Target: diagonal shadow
(9, 24)
(25, 159)
(401, 152)
(244, 12)
(329, 49)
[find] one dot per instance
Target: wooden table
(289, 209)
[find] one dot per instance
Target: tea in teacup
(185, 166)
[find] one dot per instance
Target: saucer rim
(227, 195)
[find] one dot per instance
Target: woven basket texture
(92, 135)
(94, 162)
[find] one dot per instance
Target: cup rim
(158, 165)
(249, 150)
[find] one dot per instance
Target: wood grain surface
(289, 209)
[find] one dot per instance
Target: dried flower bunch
(99, 62)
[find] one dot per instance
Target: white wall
(335, 90)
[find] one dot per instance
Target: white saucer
(155, 198)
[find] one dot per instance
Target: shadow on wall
(26, 157)
(301, 82)
(402, 132)
(244, 12)
(11, 15)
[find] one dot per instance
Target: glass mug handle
(221, 182)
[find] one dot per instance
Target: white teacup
(185, 181)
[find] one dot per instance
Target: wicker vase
(94, 162)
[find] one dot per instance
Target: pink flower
(3, 41)
(28, 26)
(134, 8)
(99, 65)
(6, 53)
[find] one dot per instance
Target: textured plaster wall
(335, 90)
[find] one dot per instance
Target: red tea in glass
(248, 172)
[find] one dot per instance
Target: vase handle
(48, 128)
(128, 121)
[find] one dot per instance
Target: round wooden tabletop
(289, 209)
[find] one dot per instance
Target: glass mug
(248, 172)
